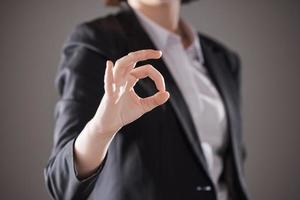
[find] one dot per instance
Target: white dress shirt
(203, 100)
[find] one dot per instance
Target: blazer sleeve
(81, 86)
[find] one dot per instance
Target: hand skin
(119, 106)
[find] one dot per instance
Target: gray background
(265, 33)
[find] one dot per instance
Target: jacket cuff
(74, 173)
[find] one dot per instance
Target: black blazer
(158, 156)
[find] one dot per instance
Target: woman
(117, 137)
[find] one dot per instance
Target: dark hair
(117, 2)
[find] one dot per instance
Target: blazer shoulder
(216, 45)
(103, 35)
(232, 56)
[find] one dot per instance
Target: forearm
(90, 149)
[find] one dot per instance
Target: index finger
(127, 63)
(144, 54)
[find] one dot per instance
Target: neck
(165, 14)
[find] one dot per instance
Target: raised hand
(120, 104)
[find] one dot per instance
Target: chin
(158, 2)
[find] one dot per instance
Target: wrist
(97, 130)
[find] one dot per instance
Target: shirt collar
(157, 33)
(161, 36)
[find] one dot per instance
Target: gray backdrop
(265, 33)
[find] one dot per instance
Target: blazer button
(205, 188)
(199, 188)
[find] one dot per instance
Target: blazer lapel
(138, 39)
(215, 62)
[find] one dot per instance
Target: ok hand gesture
(120, 104)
